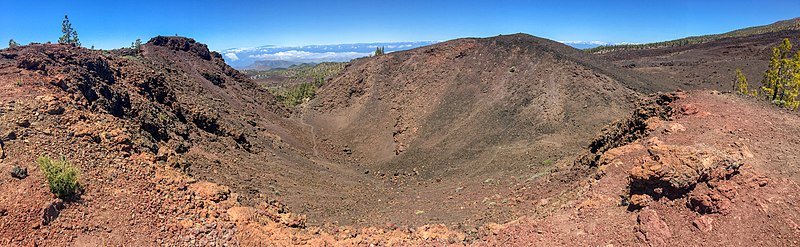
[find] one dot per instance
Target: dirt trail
(425, 130)
(529, 142)
(302, 120)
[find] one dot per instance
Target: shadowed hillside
(708, 65)
(464, 118)
(779, 26)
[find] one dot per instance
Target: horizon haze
(243, 24)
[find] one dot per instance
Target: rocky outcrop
(649, 111)
(182, 44)
(674, 171)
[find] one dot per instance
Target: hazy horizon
(241, 24)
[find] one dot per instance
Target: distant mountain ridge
(582, 44)
(242, 58)
(271, 64)
(791, 24)
(271, 57)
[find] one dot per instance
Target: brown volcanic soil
(424, 147)
(452, 130)
(745, 198)
(132, 122)
(708, 65)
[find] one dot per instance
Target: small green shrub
(740, 85)
(62, 177)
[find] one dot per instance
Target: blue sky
(231, 24)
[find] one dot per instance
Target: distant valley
(284, 56)
(268, 57)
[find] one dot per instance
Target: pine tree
(70, 36)
(136, 45)
(12, 43)
(379, 51)
(793, 82)
(781, 83)
(741, 83)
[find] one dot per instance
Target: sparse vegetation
(301, 81)
(300, 72)
(70, 36)
(380, 51)
(12, 43)
(298, 94)
(62, 177)
(136, 45)
(793, 24)
(781, 83)
(740, 85)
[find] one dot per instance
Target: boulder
(182, 44)
(19, 172)
(51, 211)
(653, 229)
(210, 191)
(672, 171)
(703, 223)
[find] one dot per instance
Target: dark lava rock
(24, 123)
(51, 211)
(19, 172)
(55, 110)
(182, 44)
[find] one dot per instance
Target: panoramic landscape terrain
(507, 140)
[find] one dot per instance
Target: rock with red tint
(707, 200)
(703, 223)
(672, 171)
(182, 44)
(211, 191)
(654, 230)
(689, 109)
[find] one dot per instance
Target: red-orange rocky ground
(722, 172)
(698, 168)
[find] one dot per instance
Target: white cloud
(592, 42)
(399, 46)
(231, 56)
(585, 42)
(295, 55)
